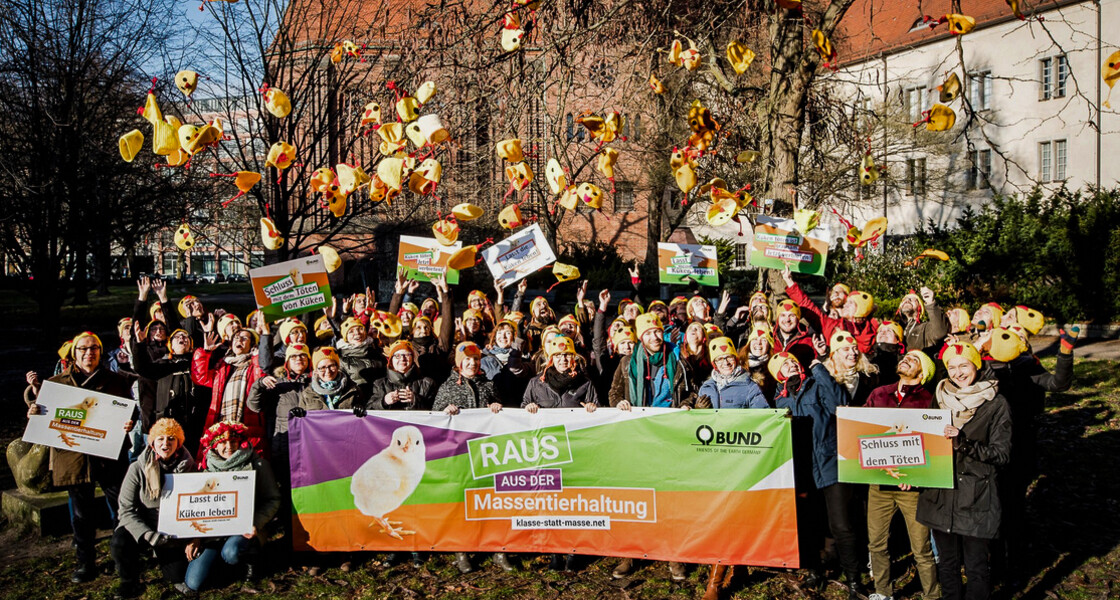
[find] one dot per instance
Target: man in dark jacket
(923, 322)
(914, 370)
(166, 388)
(79, 474)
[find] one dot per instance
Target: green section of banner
(521, 450)
(666, 451)
(936, 473)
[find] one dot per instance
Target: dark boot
(623, 569)
(677, 571)
(502, 561)
(715, 582)
(855, 587)
(556, 563)
(86, 571)
(570, 562)
(463, 563)
(128, 589)
(417, 560)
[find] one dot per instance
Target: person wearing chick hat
(404, 386)
(730, 386)
(855, 317)
(504, 365)
(915, 369)
(924, 324)
(888, 350)
(231, 376)
(166, 388)
(140, 497)
(80, 474)
(226, 449)
(850, 367)
(361, 356)
(791, 335)
(812, 399)
(1023, 378)
(966, 518)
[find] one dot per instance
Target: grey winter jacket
(138, 514)
(465, 392)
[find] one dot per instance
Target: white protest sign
(519, 255)
(208, 504)
(81, 420)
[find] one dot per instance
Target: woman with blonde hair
(849, 367)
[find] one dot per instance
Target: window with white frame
(980, 89)
(1052, 157)
(742, 256)
(914, 100)
(1054, 76)
(916, 177)
(979, 169)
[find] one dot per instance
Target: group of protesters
(217, 393)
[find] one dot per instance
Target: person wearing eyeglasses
(330, 387)
(404, 386)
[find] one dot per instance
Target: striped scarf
(233, 395)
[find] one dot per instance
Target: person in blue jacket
(730, 386)
(812, 399)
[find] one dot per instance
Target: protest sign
(81, 420)
(685, 263)
(292, 287)
(424, 258)
(519, 255)
(777, 243)
(520, 482)
(208, 504)
(889, 446)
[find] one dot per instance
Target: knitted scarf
(331, 391)
(644, 366)
(723, 380)
(963, 402)
(561, 382)
(240, 460)
(234, 393)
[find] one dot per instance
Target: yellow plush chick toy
(270, 236)
(277, 102)
(130, 144)
(281, 155)
(187, 82)
(184, 237)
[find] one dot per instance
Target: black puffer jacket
(363, 364)
(465, 392)
(423, 390)
(580, 392)
(972, 508)
(167, 390)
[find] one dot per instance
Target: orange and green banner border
(698, 486)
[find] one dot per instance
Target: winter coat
(799, 344)
(740, 392)
(363, 364)
(170, 393)
(911, 396)
(972, 507)
(683, 391)
(604, 361)
(814, 409)
(423, 390)
(540, 393)
(273, 406)
(465, 392)
(926, 335)
(864, 331)
(886, 357)
(509, 379)
(346, 397)
(266, 500)
(71, 468)
(138, 514)
(1024, 382)
(214, 374)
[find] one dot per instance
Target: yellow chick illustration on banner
(383, 483)
(270, 236)
(184, 237)
(1110, 72)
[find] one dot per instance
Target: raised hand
(159, 286)
(524, 285)
(927, 295)
(144, 285)
(724, 301)
(787, 276)
(581, 292)
(635, 274)
(371, 298)
(139, 333)
(411, 286)
(820, 345)
(208, 323)
(604, 300)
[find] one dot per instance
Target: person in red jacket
(855, 317)
(230, 378)
(792, 336)
(914, 370)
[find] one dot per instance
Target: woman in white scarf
(966, 518)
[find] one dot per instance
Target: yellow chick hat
(187, 82)
(519, 175)
(350, 177)
(390, 171)
(511, 39)
(281, 155)
(722, 212)
(408, 109)
(466, 212)
(270, 236)
(564, 272)
(276, 102)
(555, 175)
(184, 237)
(510, 150)
(466, 257)
(868, 172)
(739, 56)
(130, 144)
(608, 157)
(371, 114)
(510, 217)
(331, 260)
(948, 91)
(244, 180)
(321, 179)
(446, 231)
(392, 138)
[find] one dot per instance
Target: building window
(1055, 74)
(980, 90)
(916, 177)
(742, 256)
(1052, 161)
(979, 169)
(913, 100)
(570, 129)
(637, 129)
(623, 196)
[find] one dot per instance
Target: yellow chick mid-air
(388, 478)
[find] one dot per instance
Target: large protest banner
(684, 263)
(81, 420)
(519, 255)
(424, 258)
(889, 446)
(207, 504)
(777, 243)
(292, 287)
(696, 486)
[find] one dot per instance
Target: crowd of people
(217, 393)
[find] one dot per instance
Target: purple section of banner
(531, 480)
(354, 440)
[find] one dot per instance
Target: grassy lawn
(1074, 533)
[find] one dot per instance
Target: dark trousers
(838, 503)
(83, 515)
(973, 553)
(172, 557)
